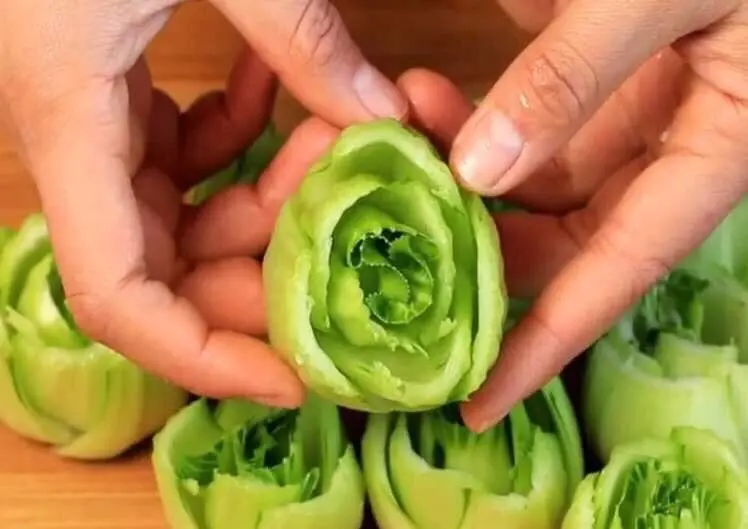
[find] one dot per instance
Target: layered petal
(677, 359)
(687, 480)
(384, 280)
(428, 471)
(230, 464)
(56, 385)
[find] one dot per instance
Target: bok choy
(689, 479)
(235, 464)
(428, 471)
(57, 386)
(383, 278)
(679, 357)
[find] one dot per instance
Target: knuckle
(617, 243)
(580, 225)
(561, 84)
(90, 315)
(314, 40)
(95, 309)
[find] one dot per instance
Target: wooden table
(468, 40)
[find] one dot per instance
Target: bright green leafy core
(228, 464)
(392, 263)
(689, 479)
(56, 385)
(266, 451)
(673, 306)
(373, 276)
(523, 471)
(499, 458)
(658, 494)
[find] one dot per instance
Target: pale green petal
(689, 479)
(57, 386)
(384, 280)
(428, 471)
(305, 477)
(492, 307)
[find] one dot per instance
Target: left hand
(624, 126)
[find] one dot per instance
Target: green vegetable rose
(427, 471)
(56, 385)
(384, 280)
(727, 246)
(688, 480)
(677, 359)
(235, 464)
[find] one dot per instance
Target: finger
(154, 188)
(561, 79)
(219, 126)
(633, 119)
(159, 249)
(239, 221)
(306, 42)
(611, 139)
(229, 295)
(162, 149)
(437, 107)
(536, 247)
(654, 225)
(533, 15)
(100, 250)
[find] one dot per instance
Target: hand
(623, 127)
(111, 157)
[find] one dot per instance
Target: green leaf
(237, 464)
(672, 361)
(687, 480)
(56, 385)
(522, 472)
(372, 276)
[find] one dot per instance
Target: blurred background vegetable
(56, 385)
(678, 358)
(687, 480)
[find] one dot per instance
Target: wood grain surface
(467, 40)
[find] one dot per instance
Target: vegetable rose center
(391, 261)
(657, 496)
(396, 282)
(263, 451)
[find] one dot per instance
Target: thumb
(562, 78)
(307, 44)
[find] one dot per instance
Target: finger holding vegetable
(111, 158)
(621, 127)
(57, 386)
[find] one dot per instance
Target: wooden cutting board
(468, 40)
(41, 491)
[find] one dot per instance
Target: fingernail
(277, 401)
(486, 150)
(377, 94)
(478, 422)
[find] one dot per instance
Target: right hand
(111, 156)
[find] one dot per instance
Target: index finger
(655, 224)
